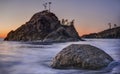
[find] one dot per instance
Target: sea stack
(46, 27)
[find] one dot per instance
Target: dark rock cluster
(81, 56)
(44, 26)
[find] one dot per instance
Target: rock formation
(109, 33)
(44, 26)
(81, 56)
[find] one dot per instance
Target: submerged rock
(44, 26)
(81, 56)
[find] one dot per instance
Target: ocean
(35, 57)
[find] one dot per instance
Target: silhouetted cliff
(109, 33)
(44, 26)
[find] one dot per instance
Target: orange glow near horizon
(81, 31)
(5, 30)
(4, 33)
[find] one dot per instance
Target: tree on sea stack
(49, 6)
(45, 6)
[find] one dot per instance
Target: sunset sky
(90, 15)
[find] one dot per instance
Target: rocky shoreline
(109, 33)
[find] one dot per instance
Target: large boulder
(44, 26)
(81, 56)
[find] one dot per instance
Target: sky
(90, 15)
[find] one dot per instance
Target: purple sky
(90, 15)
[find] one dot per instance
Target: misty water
(35, 58)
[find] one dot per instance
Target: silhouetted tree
(115, 25)
(66, 21)
(45, 6)
(63, 21)
(109, 24)
(49, 5)
(72, 22)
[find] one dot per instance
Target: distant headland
(109, 33)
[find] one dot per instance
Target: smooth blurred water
(35, 58)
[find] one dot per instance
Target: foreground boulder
(44, 26)
(81, 56)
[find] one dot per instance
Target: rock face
(109, 33)
(81, 56)
(44, 26)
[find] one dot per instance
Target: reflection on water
(35, 58)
